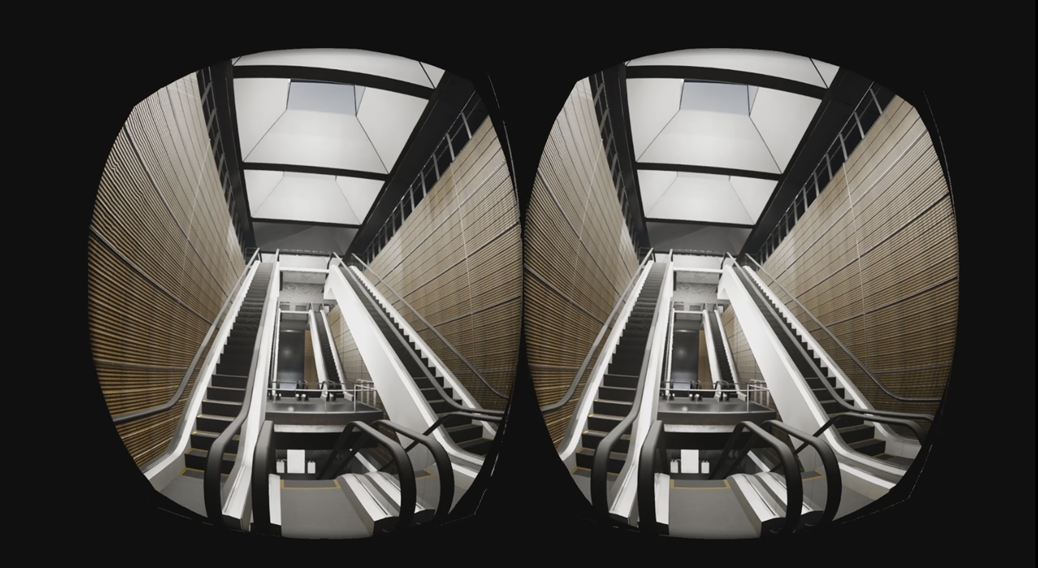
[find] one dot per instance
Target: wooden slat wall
(161, 261)
(349, 354)
(310, 376)
(458, 261)
(875, 258)
(706, 379)
(576, 240)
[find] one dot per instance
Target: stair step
(230, 381)
(870, 447)
(221, 408)
(478, 446)
(617, 393)
(611, 407)
(857, 433)
(465, 432)
(586, 458)
(204, 440)
(620, 381)
(225, 394)
(454, 420)
(212, 423)
(196, 459)
(602, 423)
(591, 439)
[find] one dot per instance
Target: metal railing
(864, 115)
(598, 340)
(607, 132)
(217, 321)
(458, 134)
(364, 392)
(753, 392)
(869, 392)
(435, 331)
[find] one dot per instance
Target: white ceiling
(324, 125)
(711, 124)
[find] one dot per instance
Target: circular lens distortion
(741, 291)
(305, 290)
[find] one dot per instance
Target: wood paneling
(310, 377)
(578, 255)
(457, 260)
(706, 379)
(875, 258)
(160, 261)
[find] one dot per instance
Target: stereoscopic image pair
(736, 278)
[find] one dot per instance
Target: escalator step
(870, 447)
(857, 433)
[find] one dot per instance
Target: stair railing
(752, 289)
(433, 329)
(760, 270)
(137, 415)
(600, 467)
(844, 416)
(831, 467)
(598, 340)
(648, 465)
(794, 482)
(444, 470)
(212, 486)
(399, 336)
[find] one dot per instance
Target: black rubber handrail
(439, 422)
(432, 328)
(833, 478)
(840, 343)
(425, 369)
(356, 433)
(751, 288)
(648, 464)
(914, 427)
(601, 334)
(600, 467)
(138, 414)
(444, 470)
(794, 483)
(211, 489)
(263, 464)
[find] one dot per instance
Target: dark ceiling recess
(837, 105)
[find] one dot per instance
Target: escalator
(859, 436)
(618, 391)
(334, 376)
(226, 392)
(466, 433)
(727, 378)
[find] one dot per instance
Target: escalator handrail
(408, 491)
(444, 470)
(840, 343)
(432, 328)
(652, 447)
(138, 414)
(818, 372)
(913, 426)
(600, 467)
(211, 488)
(833, 479)
(794, 483)
(262, 466)
(439, 422)
(598, 340)
(425, 370)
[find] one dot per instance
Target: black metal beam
(616, 100)
(707, 170)
(305, 223)
(836, 107)
(223, 95)
(700, 224)
(447, 101)
(724, 76)
(296, 168)
(331, 76)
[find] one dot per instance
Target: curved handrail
(914, 427)
(600, 467)
(436, 384)
(434, 330)
(840, 343)
(647, 465)
(263, 464)
(443, 466)
(818, 372)
(211, 488)
(601, 333)
(408, 492)
(833, 479)
(794, 483)
(138, 414)
(439, 422)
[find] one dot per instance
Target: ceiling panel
(318, 139)
(703, 237)
(782, 119)
(388, 119)
(699, 138)
(259, 103)
(703, 197)
(259, 185)
(354, 60)
(302, 237)
(772, 63)
(652, 104)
